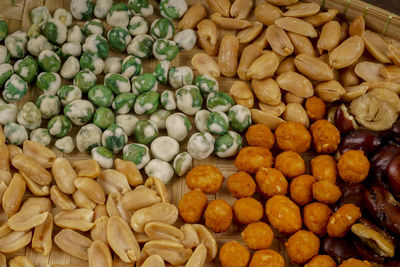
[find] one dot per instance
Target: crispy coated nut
(32, 213)
(13, 150)
(249, 34)
(295, 83)
(130, 170)
(301, 10)
(207, 238)
(347, 53)
(91, 189)
(330, 36)
(326, 192)
(206, 177)
(86, 168)
(353, 166)
(82, 201)
(31, 169)
(286, 65)
(241, 184)
(330, 91)
(73, 243)
(198, 257)
(43, 155)
(341, 221)
(153, 261)
(301, 44)
(279, 40)
(207, 37)
(258, 235)
(13, 195)
(268, 119)
(99, 229)
(315, 108)
(61, 200)
(296, 25)
(296, 112)
(264, 66)
(205, 64)
(316, 216)
(171, 251)
(218, 215)
(322, 17)
(5, 154)
(160, 230)
(157, 185)
(261, 40)
(162, 212)
(240, 9)
(326, 137)
(64, 175)
(283, 214)
(99, 255)
(35, 188)
(260, 135)
(192, 17)
(42, 241)
(242, 94)
(252, 158)
(228, 55)
(113, 181)
(139, 198)
(271, 182)
(249, 54)
(115, 208)
(302, 246)
(354, 262)
(293, 136)
(301, 189)
(21, 261)
(377, 46)
(234, 254)
(220, 6)
(229, 23)
(266, 90)
(77, 219)
(14, 241)
(192, 205)
(323, 167)
(191, 238)
(247, 210)
(290, 163)
(267, 257)
(313, 68)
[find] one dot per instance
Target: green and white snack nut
(160, 118)
(103, 156)
(6, 70)
(65, 144)
(141, 7)
(64, 16)
(41, 135)
(228, 145)
(100, 96)
(16, 44)
(147, 103)
(15, 88)
(48, 82)
(118, 15)
(92, 62)
(8, 113)
(40, 15)
(159, 169)
(182, 163)
(141, 46)
(123, 103)
(178, 126)
(94, 26)
(144, 83)
(97, 44)
(186, 39)
(127, 122)
(145, 131)
(189, 99)
(114, 138)
(38, 43)
(138, 25)
(173, 9)
(71, 49)
(75, 35)
(239, 118)
(4, 55)
(162, 28)
(136, 153)
(82, 9)
(85, 80)
(15, 134)
(112, 65)
(217, 123)
(201, 120)
(167, 100)
(55, 31)
(59, 126)
(164, 148)
(49, 105)
(70, 68)
(103, 118)
(26, 68)
(88, 137)
(102, 7)
(119, 38)
(79, 111)
(117, 83)
(131, 66)
(206, 84)
(164, 49)
(180, 76)
(201, 145)
(69, 93)
(161, 71)
(219, 101)
(3, 30)
(49, 61)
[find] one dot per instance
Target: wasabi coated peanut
(201, 120)
(102, 7)
(178, 126)
(167, 100)
(4, 55)
(182, 163)
(131, 66)
(103, 118)
(40, 15)
(200, 145)
(38, 43)
(117, 83)
(162, 28)
(217, 123)
(81, 9)
(15, 134)
(228, 145)
(127, 123)
(141, 7)
(34, 29)
(8, 113)
(69, 93)
(65, 144)
(16, 44)
(49, 105)
(164, 148)
(239, 118)
(71, 49)
(3, 30)
(180, 76)
(75, 35)
(144, 83)
(159, 169)
(123, 103)
(173, 9)
(186, 39)
(15, 88)
(103, 156)
(164, 49)
(189, 99)
(141, 46)
(118, 15)
(41, 135)
(92, 62)
(48, 82)
(55, 31)
(59, 126)
(94, 26)
(145, 131)
(84, 80)
(147, 103)
(97, 44)
(88, 137)
(160, 118)
(206, 84)
(138, 25)
(26, 68)
(100, 96)
(136, 153)
(64, 16)
(112, 65)
(119, 38)
(114, 138)
(79, 111)
(219, 101)
(161, 71)
(6, 70)
(70, 68)
(49, 61)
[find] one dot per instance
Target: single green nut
(178, 126)
(49, 105)
(3, 30)
(71, 49)
(144, 83)
(160, 118)
(75, 35)
(127, 122)
(119, 38)
(79, 111)
(48, 82)
(29, 116)
(118, 15)
(189, 99)
(40, 15)
(141, 46)
(34, 29)
(164, 148)
(182, 163)
(217, 123)
(97, 44)
(91, 61)
(239, 118)
(84, 80)
(55, 31)
(41, 135)
(131, 66)
(141, 7)
(49, 61)
(161, 71)
(16, 44)
(180, 76)
(200, 120)
(15, 88)
(167, 100)
(103, 118)
(173, 9)
(69, 93)
(70, 68)
(88, 137)
(4, 55)
(160, 169)
(82, 9)
(114, 138)
(100, 96)
(164, 49)
(64, 16)
(38, 43)
(117, 83)
(138, 25)
(15, 134)
(186, 39)
(6, 70)
(94, 26)
(112, 65)
(147, 103)
(103, 156)
(228, 145)
(219, 101)
(123, 103)
(136, 153)
(145, 131)
(206, 84)
(65, 144)
(102, 7)
(201, 145)
(8, 113)
(162, 28)
(59, 126)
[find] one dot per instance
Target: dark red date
(382, 158)
(393, 175)
(365, 140)
(344, 121)
(339, 249)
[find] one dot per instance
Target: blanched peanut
(31, 169)
(192, 17)
(267, 14)
(64, 175)
(229, 23)
(86, 168)
(61, 200)
(228, 55)
(301, 44)
(300, 10)
(377, 46)
(91, 189)
(115, 208)
(207, 36)
(3, 260)
(4, 229)
(77, 219)
(191, 238)
(158, 186)
(208, 240)
(206, 65)
(43, 155)
(42, 240)
(264, 66)
(279, 40)
(153, 261)
(113, 181)
(130, 170)
(21, 261)
(160, 230)
(5, 156)
(99, 230)
(141, 237)
(14, 241)
(241, 93)
(73, 243)
(3, 188)
(198, 257)
(171, 251)
(139, 198)
(82, 201)
(32, 213)
(162, 212)
(35, 188)
(13, 195)
(330, 36)
(99, 255)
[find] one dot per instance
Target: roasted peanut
(264, 66)
(77, 219)
(153, 261)
(348, 77)
(64, 175)
(130, 170)
(61, 200)
(21, 261)
(220, 6)
(207, 36)
(73, 243)
(13, 150)
(330, 36)
(377, 46)
(3, 260)
(266, 118)
(292, 98)
(330, 91)
(282, 2)
(100, 210)
(395, 87)
(5, 156)
(3, 188)
(158, 186)
(357, 26)
(192, 17)
(115, 208)
(286, 65)
(139, 198)
(113, 181)
(32, 213)
(171, 251)
(267, 91)
(162, 212)
(301, 10)
(229, 23)
(391, 74)
(313, 68)
(43, 155)
(198, 257)
(276, 110)
(42, 240)
(160, 230)
(322, 17)
(99, 255)
(190, 236)
(241, 93)
(369, 71)
(249, 34)
(35, 188)
(353, 92)
(296, 25)
(5, 176)
(86, 168)
(13, 195)
(261, 40)
(228, 55)
(296, 112)
(240, 9)
(82, 201)
(99, 230)
(4, 229)
(347, 52)
(91, 189)
(206, 238)
(14, 241)
(249, 54)
(295, 83)
(141, 237)
(31, 169)
(206, 65)
(279, 40)
(394, 54)
(301, 44)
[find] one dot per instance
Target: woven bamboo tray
(17, 16)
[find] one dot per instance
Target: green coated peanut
(145, 131)
(119, 38)
(97, 44)
(162, 28)
(239, 118)
(141, 7)
(131, 66)
(55, 31)
(144, 83)
(27, 69)
(49, 61)
(94, 26)
(84, 80)
(79, 111)
(100, 96)
(141, 46)
(164, 49)
(69, 93)
(206, 84)
(49, 105)
(123, 103)
(219, 101)
(15, 134)
(88, 137)
(82, 9)
(217, 123)
(59, 126)
(103, 118)
(15, 88)
(114, 138)
(117, 83)
(173, 9)
(147, 103)
(228, 145)
(136, 153)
